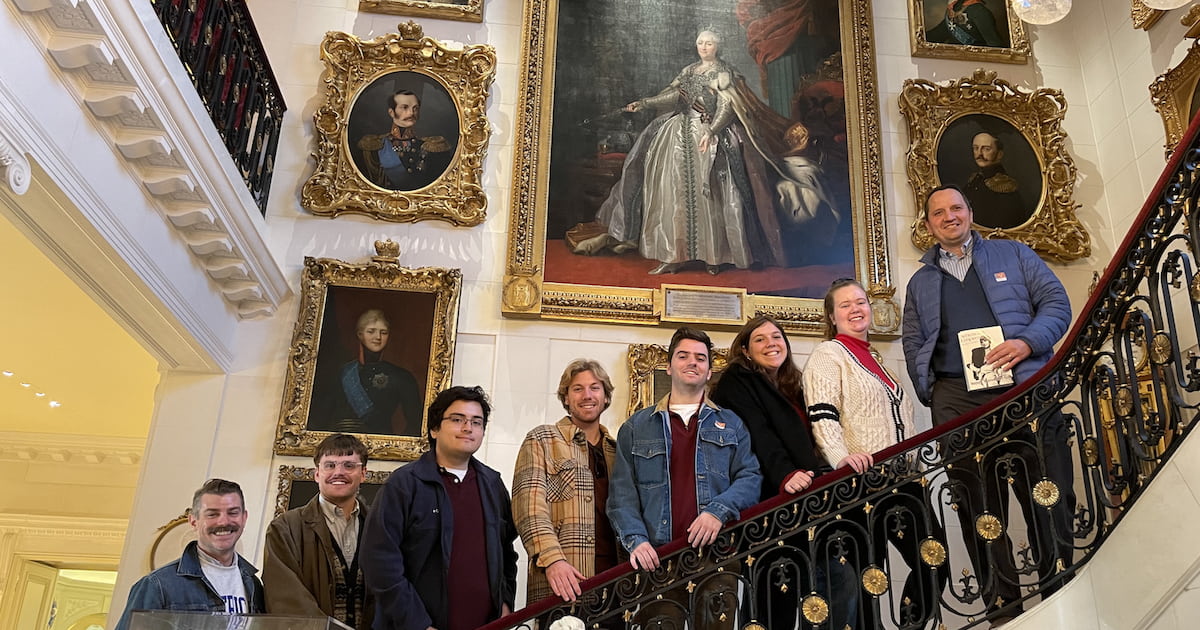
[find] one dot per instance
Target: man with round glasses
(311, 560)
(438, 547)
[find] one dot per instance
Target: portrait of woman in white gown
(698, 185)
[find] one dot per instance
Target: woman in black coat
(762, 386)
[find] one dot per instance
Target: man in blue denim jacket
(210, 576)
(684, 468)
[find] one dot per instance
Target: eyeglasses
(475, 422)
(348, 466)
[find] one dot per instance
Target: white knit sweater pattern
(853, 410)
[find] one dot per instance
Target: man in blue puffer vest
(966, 282)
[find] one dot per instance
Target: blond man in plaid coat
(560, 488)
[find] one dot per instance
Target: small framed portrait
(403, 130)
(464, 10)
(971, 30)
(298, 486)
(1176, 96)
(648, 378)
(1005, 148)
(373, 344)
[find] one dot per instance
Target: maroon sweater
(684, 507)
(470, 594)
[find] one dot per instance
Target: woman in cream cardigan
(857, 408)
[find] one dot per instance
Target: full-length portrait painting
(693, 142)
(373, 343)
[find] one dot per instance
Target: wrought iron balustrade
(1076, 444)
(220, 48)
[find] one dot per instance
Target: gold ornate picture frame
(1176, 96)
(403, 130)
(170, 539)
(576, 129)
(986, 31)
(344, 375)
(463, 10)
(1142, 16)
(1025, 193)
(648, 380)
(297, 485)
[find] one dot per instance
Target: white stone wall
(223, 425)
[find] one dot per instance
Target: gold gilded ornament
(815, 609)
(754, 625)
(1160, 347)
(988, 526)
(933, 553)
(874, 581)
(1045, 492)
(1091, 451)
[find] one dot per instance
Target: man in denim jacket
(684, 468)
(210, 576)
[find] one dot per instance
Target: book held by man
(975, 343)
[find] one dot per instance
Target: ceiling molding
(71, 449)
(14, 164)
(58, 527)
(116, 59)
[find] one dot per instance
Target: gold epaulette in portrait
(1001, 183)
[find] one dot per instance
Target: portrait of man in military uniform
(995, 166)
(967, 22)
(372, 362)
(403, 131)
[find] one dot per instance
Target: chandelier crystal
(1045, 11)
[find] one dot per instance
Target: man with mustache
(993, 193)
(311, 565)
(399, 159)
(684, 469)
(437, 551)
(560, 488)
(210, 575)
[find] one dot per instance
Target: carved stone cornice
(116, 59)
(72, 449)
(14, 164)
(60, 527)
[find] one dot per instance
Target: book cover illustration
(975, 343)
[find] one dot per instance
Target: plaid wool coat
(553, 501)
